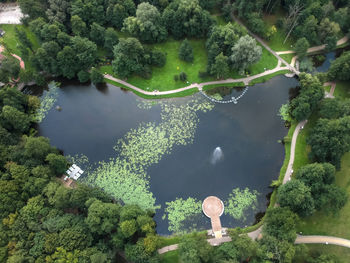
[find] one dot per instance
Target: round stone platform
(213, 208)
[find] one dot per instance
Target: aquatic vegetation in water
(284, 112)
(124, 177)
(239, 201)
(180, 211)
(47, 101)
(118, 180)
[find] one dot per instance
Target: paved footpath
(199, 86)
(316, 48)
(328, 240)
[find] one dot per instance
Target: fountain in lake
(216, 156)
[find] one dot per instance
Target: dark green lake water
(93, 120)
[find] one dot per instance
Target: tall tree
(301, 47)
(220, 68)
(297, 197)
(186, 51)
(330, 139)
(97, 34)
(111, 40)
(128, 57)
(245, 53)
(78, 26)
(147, 25)
(186, 18)
(340, 68)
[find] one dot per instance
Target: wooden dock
(213, 208)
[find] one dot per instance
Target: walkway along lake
(169, 144)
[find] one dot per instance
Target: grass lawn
(342, 90)
(342, 253)
(170, 257)
(10, 40)
(287, 57)
(267, 77)
(337, 225)
(163, 78)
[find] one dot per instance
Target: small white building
(74, 172)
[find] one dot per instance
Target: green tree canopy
(147, 25)
(297, 197)
(245, 53)
(186, 51)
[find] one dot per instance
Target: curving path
(316, 48)
(21, 62)
(199, 86)
(328, 240)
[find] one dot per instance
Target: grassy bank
(163, 78)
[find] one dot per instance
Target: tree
(301, 47)
(66, 60)
(96, 76)
(83, 76)
(118, 11)
(33, 8)
(222, 39)
(276, 250)
(9, 69)
(90, 11)
(334, 109)
(102, 217)
(14, 120)
(111, 39)
(49, 32)
(194, 249)
(331, 43)
(58, 163)
(245, 53)
(329, 140)
(185, 18)
(340, 68)
(147, 25)
(128, 228)
(292, 20)
(310, 95)
(186, 51)
(78, 26)
(128, 57)
(220, 67)
(297, 197)
(328, 28)
(58, 11)
(158, 58)
(183, 76)
(97, 34)
(280, 223)
(36, 148)
(240, 249)
(85, 51)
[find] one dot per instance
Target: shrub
(183, 76)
